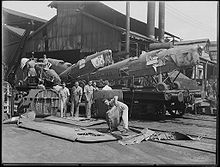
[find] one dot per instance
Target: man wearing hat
(64, 94)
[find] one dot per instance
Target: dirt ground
(26, 146)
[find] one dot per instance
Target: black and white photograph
(110, 83)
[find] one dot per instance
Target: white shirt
(64, 92)
(106, 87)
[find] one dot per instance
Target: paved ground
(26, 146)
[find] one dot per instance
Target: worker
(95, 86)
(76, 95)
(209, 88)
(106, 87)
(41, 84)
(64, 95)
(31, 67)
(117, 111)
(46, 62)
(214, 88)
(88, 91)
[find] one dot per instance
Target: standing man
(88, 90)
(106, 87)
(46, 62)
(117, 112)
(76, 95)
(31, 67)
(64, 94)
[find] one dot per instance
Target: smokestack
(151, 19)
(161, 20)
(127, 27)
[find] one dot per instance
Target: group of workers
(31, 72)
(76, 93)
(75, 96)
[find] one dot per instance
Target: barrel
(46, 102)
(99, 96)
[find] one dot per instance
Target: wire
(189, 19)
(183, 14)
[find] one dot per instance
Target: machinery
(144, 80)
(155, 68)
(87, 65)
(46, 102)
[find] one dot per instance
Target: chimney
(161, 20)
(151, 19)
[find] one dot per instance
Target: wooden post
(127, 28)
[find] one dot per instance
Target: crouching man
(118, 111)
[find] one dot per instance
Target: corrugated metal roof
(23, 15)
(110, 15)
(21, 20)
(132, 34)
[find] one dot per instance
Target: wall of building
(72, 30)
(10, 44)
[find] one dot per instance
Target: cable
(194, 20)
(186, 21)
(190, 22)
(189, 19)
(183, 14)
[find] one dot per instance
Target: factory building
(82, 28)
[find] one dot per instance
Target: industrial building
(81, 28)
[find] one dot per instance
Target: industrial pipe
(161, 20)
(151, 19)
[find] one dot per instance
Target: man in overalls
(64, 94)
(88, 90)
(76, 95)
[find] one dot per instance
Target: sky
(187, 19)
